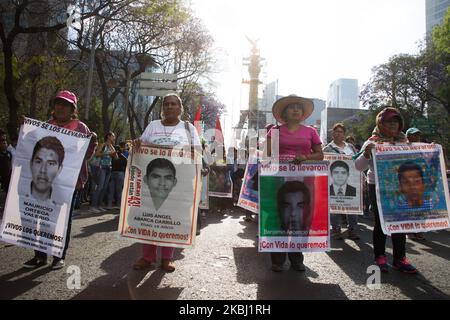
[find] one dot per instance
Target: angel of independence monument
(254, 119)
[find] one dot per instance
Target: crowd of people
(102, 174)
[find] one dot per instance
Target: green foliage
(95, 122)
(418, 85)
(164, 31)
(441, 40)
(363, 127)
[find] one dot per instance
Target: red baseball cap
(68, 96)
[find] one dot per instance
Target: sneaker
(168, 265)
(298, 267)
(353, 234)
(57, 264)
(336, 234)
(141, 264)
(381, 262)
(34, 263)
(94, 210)
(277, 267)
(404, 266)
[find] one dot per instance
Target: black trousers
(279, 258)
(43, 255)
(379, 238)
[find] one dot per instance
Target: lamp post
(91, 70)
(113, 83)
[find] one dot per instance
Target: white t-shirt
(157, 133)
(348, 150)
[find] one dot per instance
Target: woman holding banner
(338, 145)
(389, 125)
(297, 143)
(64, 115)
(170, 131)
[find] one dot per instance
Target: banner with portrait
(411, 187)
(220, 183)
(160, 196)
(248, 196)
(204, 197)
(345, 185)
(293, 206)
(44, 175)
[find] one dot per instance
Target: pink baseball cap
(68, 96)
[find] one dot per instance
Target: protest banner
(204, 197)
(44, 175)
(160, 196)
(248, 196)
(293, 206)
(412, 195)
(220, 184)
(345, 185)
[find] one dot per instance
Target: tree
(401, 83)
(132, 36)
(132, 39)
(418, 85)
(19, 21)
(441, 43)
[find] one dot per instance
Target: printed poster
(294, 207)
(248, 197)
(44, 175)
(345, 185)
(161, 196)
(411, 187)
(220, 183)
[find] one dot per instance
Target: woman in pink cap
(64, 114)
(389, 125)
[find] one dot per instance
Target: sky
(306, 44)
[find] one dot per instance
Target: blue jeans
(115, 187)
(102, 187)
(43, 255)
(352, 220)
(93, 181)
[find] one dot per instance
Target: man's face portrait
(292, 211)
(161, 182)
(45, 167)
(339, 176)
(412, 186)
(293, 199)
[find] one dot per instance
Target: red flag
(197, 123)
(219, 134)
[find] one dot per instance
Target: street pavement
(224, 264)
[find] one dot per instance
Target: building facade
(314, 119)
(434, 13)
(343, 93)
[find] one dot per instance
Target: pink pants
(149, 252)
